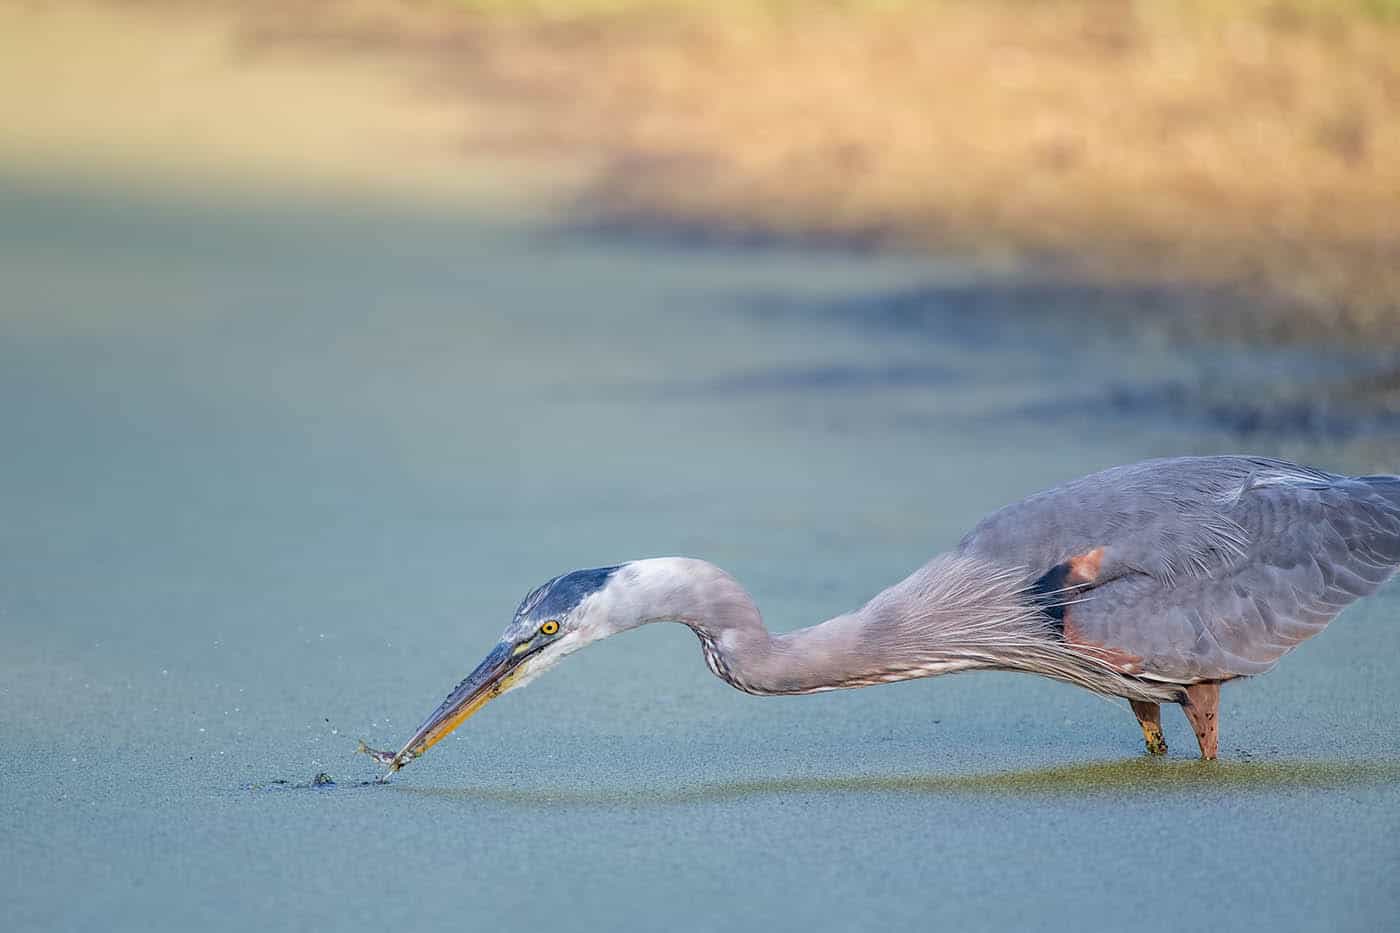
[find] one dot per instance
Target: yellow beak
(490, 679)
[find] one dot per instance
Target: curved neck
(955, 613)
(868, 646)
(700, 595)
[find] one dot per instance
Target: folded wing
(1201, 568)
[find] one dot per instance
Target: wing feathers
(1212, 567)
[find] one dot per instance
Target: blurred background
(327, 330)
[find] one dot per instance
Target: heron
(1154, 582)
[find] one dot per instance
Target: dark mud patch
(1125, 351)
(819, 378)
(985, 311)
(1245, 413)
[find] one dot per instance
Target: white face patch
(534, 666)
(633, 594)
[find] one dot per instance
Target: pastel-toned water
(275, 476)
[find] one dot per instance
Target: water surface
(276, 475)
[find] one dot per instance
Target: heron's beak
(490, 679)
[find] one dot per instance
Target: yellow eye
(549, 628)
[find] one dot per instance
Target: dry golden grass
(1259, 147)
(1254, 144)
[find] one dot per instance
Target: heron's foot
(1202, 708)
(1149, 716)
(1156, 742)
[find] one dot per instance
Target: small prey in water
(502, 669)
(389, 759)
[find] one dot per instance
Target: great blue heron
(1154, 582)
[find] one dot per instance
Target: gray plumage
(1154, 582)
(1213, 567)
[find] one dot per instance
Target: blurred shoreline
(1249, 147)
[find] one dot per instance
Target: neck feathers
(928, 624)
(700, 595)
(955, 613)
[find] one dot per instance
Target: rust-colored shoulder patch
(1056, 587)
(1084, 568)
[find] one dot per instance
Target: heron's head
(554, 620)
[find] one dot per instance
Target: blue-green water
(275, 476)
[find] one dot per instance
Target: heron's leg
(1202, 707)
(1149, 716)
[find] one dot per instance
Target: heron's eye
(549, 628)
